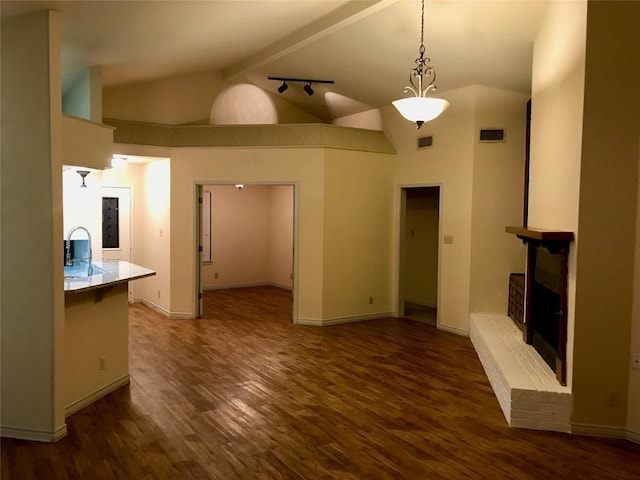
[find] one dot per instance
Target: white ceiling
(367, 47)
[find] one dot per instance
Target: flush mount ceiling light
(239, 186)
(420, 108)
(119, 161)
(307, 88)
(83, 174)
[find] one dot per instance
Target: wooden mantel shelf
(540, 234)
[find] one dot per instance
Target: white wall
(32, 290)
(83, 207)
(556, 133)
(251, 236)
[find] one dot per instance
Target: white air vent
(425, 142)
(493, 135)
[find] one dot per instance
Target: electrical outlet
(215, 275)
(635, 360)
(158, 293)
(613, 399)
(103, 364)
(370, 300)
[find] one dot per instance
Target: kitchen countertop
(115, 271)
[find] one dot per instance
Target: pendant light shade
(420, 108)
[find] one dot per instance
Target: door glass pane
(110, 225)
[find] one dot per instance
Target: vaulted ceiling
(367, 47)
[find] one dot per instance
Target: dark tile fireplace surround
(538, 299)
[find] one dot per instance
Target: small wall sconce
(83, 174)
(239, 186)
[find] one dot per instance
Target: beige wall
(183, 99)
(281, 236)
(155, 235)
(251, 236)
(132, 177)
(358, 213)
(301, 167)
(607, 217)
(32, 319)
(94, 330)
(448, 164)
(497, 199)
(556, 132)
(633, 413)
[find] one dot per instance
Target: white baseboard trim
(164, 311)
(98, 394)
(591, 430)
(340, 320)
(34, 435)
(246, 285)
(457, 331)
(633, 435)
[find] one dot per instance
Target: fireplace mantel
(540, 235)
(545, 312)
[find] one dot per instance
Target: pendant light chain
(422, 49)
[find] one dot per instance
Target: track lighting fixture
(307, 88)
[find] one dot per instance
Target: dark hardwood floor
(244, 394)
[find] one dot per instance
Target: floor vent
(425, 142)
(492, 135)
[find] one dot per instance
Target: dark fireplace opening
(545, 309)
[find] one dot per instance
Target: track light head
(308, 89)
(283, 88)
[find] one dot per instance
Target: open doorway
(419, 253)
(246, 239)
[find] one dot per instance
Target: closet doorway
(419, 254)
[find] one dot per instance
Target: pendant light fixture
(420, 108)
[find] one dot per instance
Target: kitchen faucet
(68, 259)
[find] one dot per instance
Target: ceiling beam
(340, 18)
